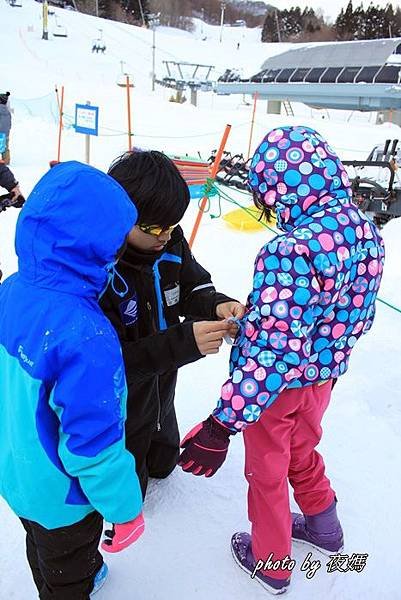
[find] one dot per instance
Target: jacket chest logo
(129, 310)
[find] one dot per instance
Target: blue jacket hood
(71, 227)
(295, 171)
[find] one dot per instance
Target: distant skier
(313, 296)
(8, 181)
(5, 125)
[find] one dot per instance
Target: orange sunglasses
(155, 229)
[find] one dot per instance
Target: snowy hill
(185, 551)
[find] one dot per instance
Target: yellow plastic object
(245, 220)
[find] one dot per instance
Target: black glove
(206, 447)
(19, 201)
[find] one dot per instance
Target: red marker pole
(215, 169)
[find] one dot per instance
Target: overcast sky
(330, 8)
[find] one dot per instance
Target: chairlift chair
(122, 80)
(98, 45)
(122, 77)
(60, 30)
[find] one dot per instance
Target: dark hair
(154, 185)
(266, 211)
(4, 98)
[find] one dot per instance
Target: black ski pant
(156, 451)
(64, 561)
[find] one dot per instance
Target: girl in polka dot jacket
(313, 296)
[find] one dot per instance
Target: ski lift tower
(154, 21)
(196, 77)
(223, 8)
(45, 20)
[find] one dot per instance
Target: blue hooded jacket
(62, 382)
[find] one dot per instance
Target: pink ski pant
(279, 448)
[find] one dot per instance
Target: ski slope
(185, 550)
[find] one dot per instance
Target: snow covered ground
(185, 551)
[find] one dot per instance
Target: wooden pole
(255, 100)
(127, 83)
(215, 168)
(60, 126)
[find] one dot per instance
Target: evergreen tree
(138, 9)
(371, 23)
(345, 23)
(359, 23)
(310, 22)
(390, 25)
(295, 23)
(340, 25)
(396, 31)
(272, 21)
(105, 8)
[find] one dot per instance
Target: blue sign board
(86, 119)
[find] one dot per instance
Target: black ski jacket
(7, 179)
(162, 288)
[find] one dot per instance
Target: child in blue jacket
(313, 296)
(63, 462)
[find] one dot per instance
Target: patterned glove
(206, 448)
(123, 535)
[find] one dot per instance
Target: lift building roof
(329, 75)
(339, 54)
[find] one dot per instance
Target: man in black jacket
(8, 181)
(164, 282)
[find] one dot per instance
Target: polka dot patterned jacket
(314, 287)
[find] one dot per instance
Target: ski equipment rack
(375, 182)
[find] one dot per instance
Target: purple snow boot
(322, 531)
(242, 554)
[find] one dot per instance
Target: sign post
(87, 122)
